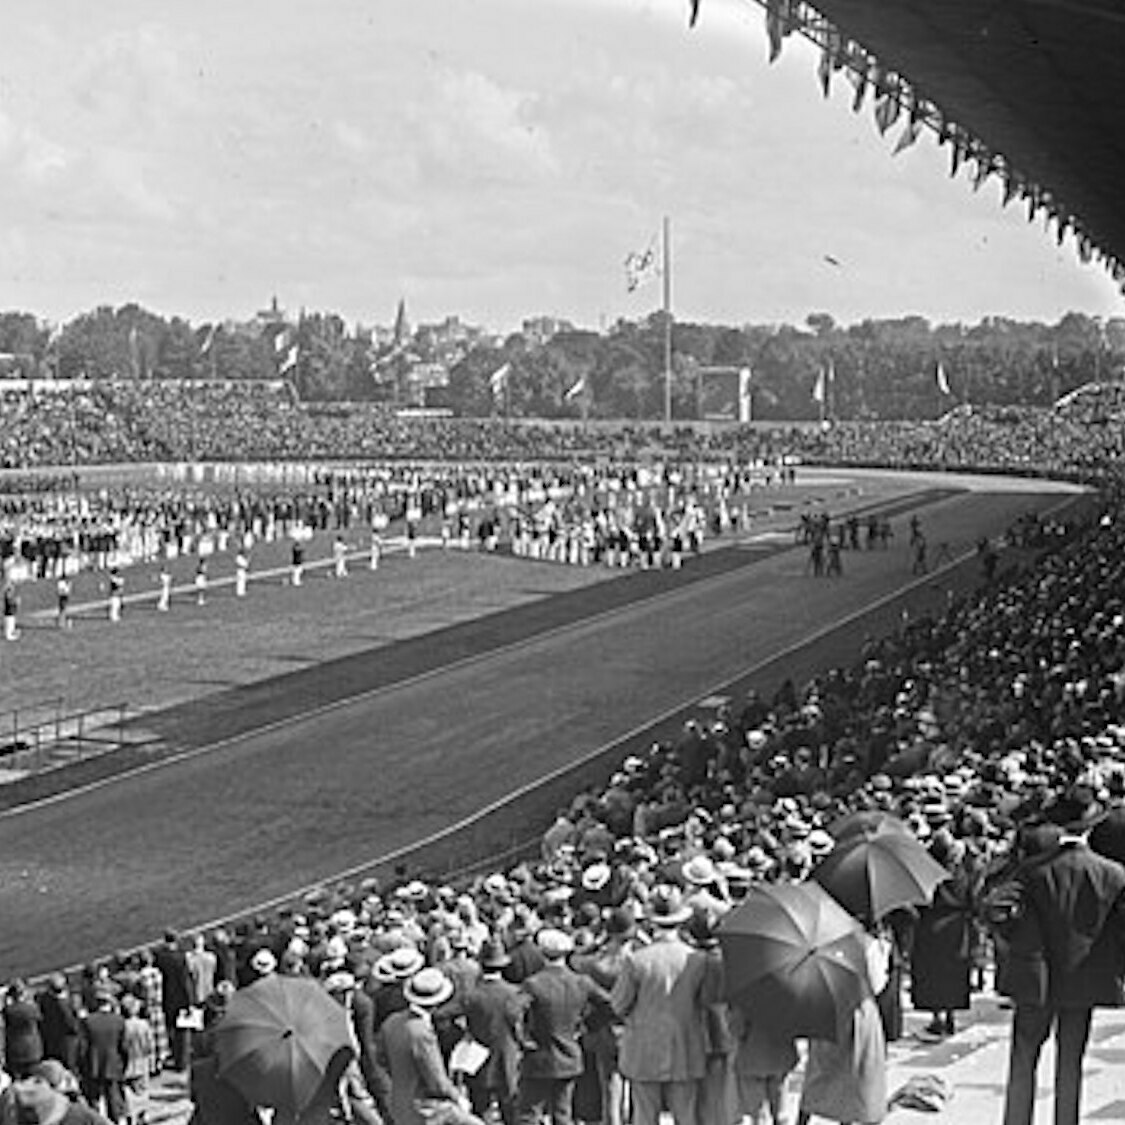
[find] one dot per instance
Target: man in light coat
(558, 1001)
(421, 1089)
(662, 995)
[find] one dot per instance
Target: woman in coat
(941, 958)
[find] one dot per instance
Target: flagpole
(667, 239)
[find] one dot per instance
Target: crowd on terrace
(991, 730)
(988, 730)
(131, 421)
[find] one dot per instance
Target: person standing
(376, 548)
(1075, 897)
(164, 601)
(662, 995)
(11, 611)
(494, 1011)
(340, 557)
(171, 962)
(846, 1078)
(104, 1056)
(241, 574)
(21, 1022)
(62, 595)
(297, 563)
(558, 1001)
(116, 587)
(138, 1044)
(201, 582)
(421, 1088)
(202, 967)
(61, 1026)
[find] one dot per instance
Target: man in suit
(662, 995)
(103, 1056)
(557, 1002)
(171, 960)
(494, 1011)
(421, 1090)
(61, 1028)
(1075, 897)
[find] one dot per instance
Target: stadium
(412, 641)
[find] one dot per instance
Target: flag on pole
(289, 361)
(641, 267)
(942, 379)
(498, 380)
(820, 387)
(578, 389)
(209, 340)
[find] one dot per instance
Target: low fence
(40, 736)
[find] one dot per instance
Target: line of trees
(878, 368)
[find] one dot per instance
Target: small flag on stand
(498, 380)
(942, 379)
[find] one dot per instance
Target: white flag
(498, 380)
(642, 266)
(820, 387)
(578, 388)
(289, 363)
(942, 380)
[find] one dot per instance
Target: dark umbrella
(280, 1041)
(794, 959)
(871, 873)
(865, 823)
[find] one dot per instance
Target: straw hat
(428, 988)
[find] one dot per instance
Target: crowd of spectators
(162, 420)
(973, 727)
(981, 728)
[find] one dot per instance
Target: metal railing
(41, 736)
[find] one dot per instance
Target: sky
(494, 159)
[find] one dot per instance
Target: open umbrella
(794, 959)
(872, 872)
(280, 1040)
(866, 822)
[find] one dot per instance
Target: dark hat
(493, 955)
(1076, 810)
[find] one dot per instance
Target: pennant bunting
(859, 77)
(909, 135)
(775, 29)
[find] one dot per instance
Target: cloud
(474, 125)
(135, 77)
(33, 157)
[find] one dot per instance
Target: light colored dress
(847, 1080)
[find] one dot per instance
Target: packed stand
(596, 975)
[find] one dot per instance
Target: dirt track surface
(269, 811)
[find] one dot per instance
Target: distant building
(538, 330)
